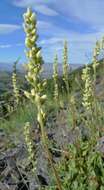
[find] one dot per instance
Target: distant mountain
(47, 68)
(9, 66)
(5, 66)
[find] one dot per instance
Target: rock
(43, 166)
(13, 170)
(3, 165)
(23, 183)
(3, 139)
(10, 171)
(5, 187)
(100, 145)
(85, 133)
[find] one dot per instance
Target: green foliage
(84, 169)
(25, 112)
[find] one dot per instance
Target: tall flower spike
(29, 144)
(14, 83)
(55, 78)
(88, 90)
(66, 66)
(102, 43)
(34, 67)
(95, 58)
(65, 62)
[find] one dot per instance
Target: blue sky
(81, 22)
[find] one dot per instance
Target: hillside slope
(13, 151)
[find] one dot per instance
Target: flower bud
(27, 94)
(28, 43)
(33, 17)
(33, 39)
(38, 55)
(33, 92)
(33, 32)
(37, 98)
(28, 13)
(44, 83)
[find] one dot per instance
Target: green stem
(44, 139)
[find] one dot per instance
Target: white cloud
(4, 46)
(45, 10)
(38, 5)
(52, 41)
(89, 13)
(8, 28)
(19, 44)
(26, 3)
(58, 35)
(43, 25)
(23, 3)
(80, 46)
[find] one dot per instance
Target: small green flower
(29, 144)
(88, 90)
(66, 69)
(15, 87)
(65, 63)
(95, 58)
(55, 78)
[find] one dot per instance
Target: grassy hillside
(75, 84)
(58, 125)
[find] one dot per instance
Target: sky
(80, 22)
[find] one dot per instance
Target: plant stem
(44, 139)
